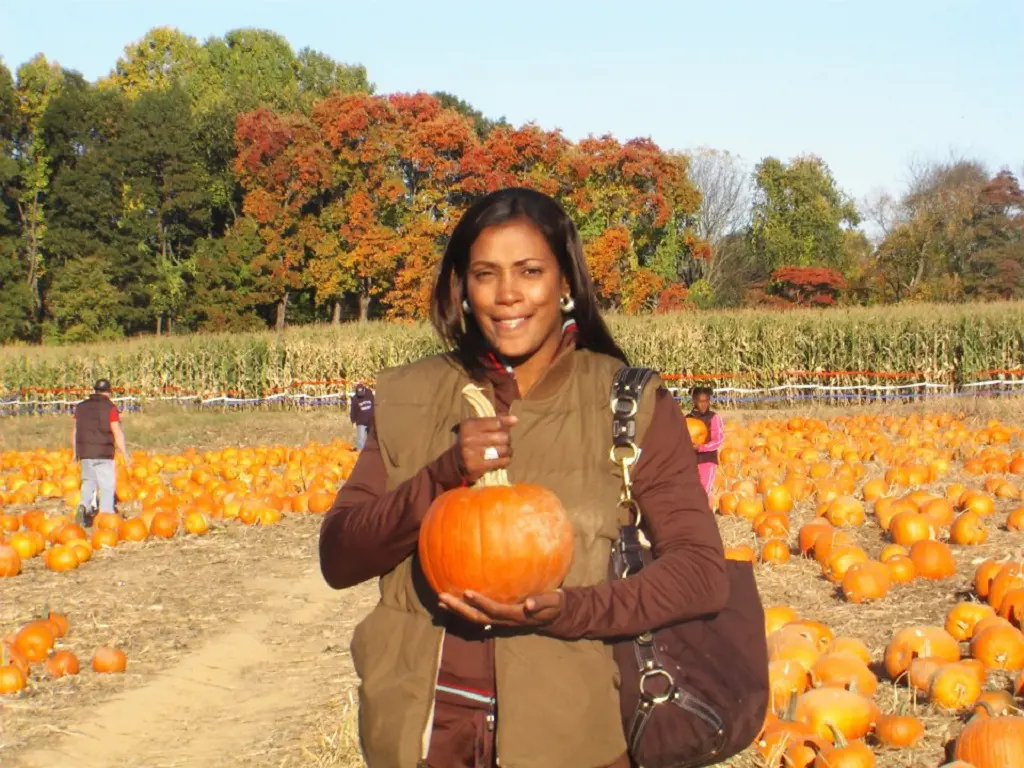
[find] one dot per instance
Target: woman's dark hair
(459, 329)
(702, 391)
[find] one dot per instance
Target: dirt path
(238, 699)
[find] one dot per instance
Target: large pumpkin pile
(876, 504)
(160, 495)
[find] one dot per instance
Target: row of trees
(235, 183)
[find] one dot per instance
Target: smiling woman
(446, 678)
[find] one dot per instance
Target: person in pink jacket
(707, 454)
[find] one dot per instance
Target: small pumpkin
(34, 641)
(845, 754)
(10, 561)
(919, 640)
(903, 731)
(786, 680)
(865, 581)
(983, 576)
(933, 559)
(61, 558)
(12, 677)
(843, 670)
(968, 530)
(778, 616)
(994, 703)
(820, 633)
(506, 542)
(62, 663)
(847, 712)
(901, 569)
(853, 646)
(964, 617)
(775, 551)
(106, 660)
(809, 533)
(954, 687)
(999, 647)
(164, 525)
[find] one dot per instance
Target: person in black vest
(707, 452)
(361, 413)
(95, 433)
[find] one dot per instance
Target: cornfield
(937, 343)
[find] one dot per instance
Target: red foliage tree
(807, 286)
(675, 298)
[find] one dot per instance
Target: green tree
(166, 202)
(15, 296)
(38, 83)
(83, 128)
(799, 215)
(84, 302)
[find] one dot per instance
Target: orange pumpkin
(991, 742)
(501, 541)
(920, 640)
(899, 730)
(698, 430)
(954, 687)
(999, 647)
(109, 660)
(933, 559)
(62, 663)
(869, 580)
(848, 713)
(10, 561)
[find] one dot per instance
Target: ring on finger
(490, 453)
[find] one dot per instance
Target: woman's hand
(536, 611)
(485, 445)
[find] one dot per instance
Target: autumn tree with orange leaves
(357, 200)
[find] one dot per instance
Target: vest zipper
(425, 741)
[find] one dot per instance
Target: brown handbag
(693, 693)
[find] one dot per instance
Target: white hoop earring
(567, 304)
(465, 306)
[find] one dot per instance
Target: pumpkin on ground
(109, 660)
(505, 542)
(992, 742)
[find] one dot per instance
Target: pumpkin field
(886, 539)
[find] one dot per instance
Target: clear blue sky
(868, 85)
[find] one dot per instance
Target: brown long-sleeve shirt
(369, 531)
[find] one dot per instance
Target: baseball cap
(102, 386)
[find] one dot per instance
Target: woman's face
(514, 283)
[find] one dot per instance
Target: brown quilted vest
(558, 701)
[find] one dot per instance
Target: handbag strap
(627, 388)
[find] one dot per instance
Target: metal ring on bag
(657, 698)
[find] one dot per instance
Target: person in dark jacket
(95, 434)
(361, 413)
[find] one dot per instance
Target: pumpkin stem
(838, 739)
(482, 408)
